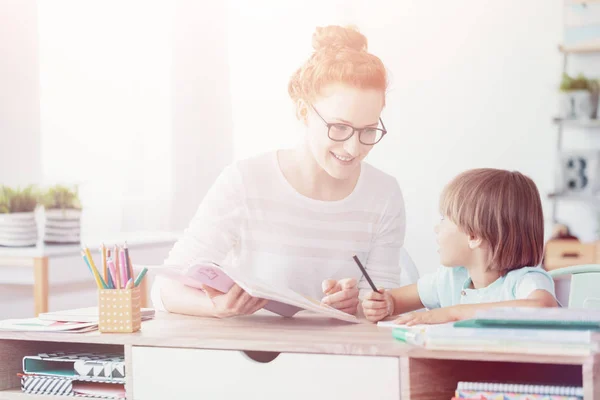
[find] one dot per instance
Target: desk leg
(591, 378)
(40, 285)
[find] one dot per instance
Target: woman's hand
(342, 294)
(377, 306)
(233, 303)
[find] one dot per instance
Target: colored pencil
(141, 275)
(90, 261)
(104, 266)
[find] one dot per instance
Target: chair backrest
(585, 285)
(409, 273)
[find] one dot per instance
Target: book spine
(47, 385)
(475, 394)
(573, 391)
(509, 347)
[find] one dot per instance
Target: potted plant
(62, 215)
(579, 97)
(17, 216)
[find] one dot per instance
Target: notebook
(89, 366)
(508, 391)
(63, 386)
(38, 325)
(284, 301)
(539, 318)
(88, 314)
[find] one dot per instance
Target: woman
(295, 217)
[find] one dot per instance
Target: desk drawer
(167, 373)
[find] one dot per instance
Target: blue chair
(584, 290)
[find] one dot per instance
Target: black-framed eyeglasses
(341, 132)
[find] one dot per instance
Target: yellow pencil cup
(119, 310)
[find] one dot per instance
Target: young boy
(490, 241)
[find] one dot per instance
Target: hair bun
(335, 37)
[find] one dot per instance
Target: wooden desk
(38, 258)
(307, 357)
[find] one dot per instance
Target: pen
(365, 274)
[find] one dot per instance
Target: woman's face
(359, 108)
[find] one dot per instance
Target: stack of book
(505, 391)
(74, 374)
(547, 331)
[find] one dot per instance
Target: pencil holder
(119, 310)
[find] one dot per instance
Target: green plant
(18, 200)
(60, 197)
(580, 82)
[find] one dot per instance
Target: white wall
(19, 93)
(473, 85)
(159, 92)
(268, 41)
(201, 104)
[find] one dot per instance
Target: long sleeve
(383, 262)
(214, 230)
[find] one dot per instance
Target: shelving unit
(562, 123)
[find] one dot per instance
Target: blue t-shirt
(449, 286)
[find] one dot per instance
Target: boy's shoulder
(516, 275)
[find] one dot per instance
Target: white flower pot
(62, 226)
(18, 229)
(576, 104)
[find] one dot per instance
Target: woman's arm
(210, 236)
(209, 303)
(182, 299)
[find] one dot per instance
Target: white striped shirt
(253, 219)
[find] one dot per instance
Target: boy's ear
(474, 242)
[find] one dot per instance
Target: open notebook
(284, 301)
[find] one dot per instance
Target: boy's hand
(377, 306)
(436, 316)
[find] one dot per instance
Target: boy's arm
(405, 299)
(377, 306)
(537, 298)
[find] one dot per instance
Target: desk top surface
(305, 333)
(133, 239)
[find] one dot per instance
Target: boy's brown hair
(504, 209)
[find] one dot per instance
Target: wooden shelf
(17, 394)
(580, 123)
(579, 49)
(575, 197)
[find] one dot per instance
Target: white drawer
(167, 373)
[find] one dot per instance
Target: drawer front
(167, 373)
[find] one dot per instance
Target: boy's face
(453, 244)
